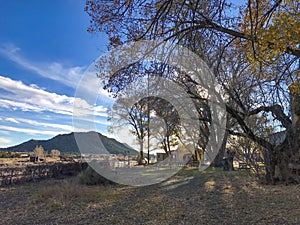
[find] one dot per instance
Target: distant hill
(66, 143)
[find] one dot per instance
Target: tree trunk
(168, 144)
(296, 121)
(269, 166)
(218, 160)
(196, 153)
(164, 143)
(141, 159)
(283, 165)
(288, 153)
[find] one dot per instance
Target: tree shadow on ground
(190, 197)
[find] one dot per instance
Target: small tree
(55, 153)
(40, 152)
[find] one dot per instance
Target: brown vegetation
(21, 174)
(191, 197)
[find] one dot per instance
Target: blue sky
(44, 51)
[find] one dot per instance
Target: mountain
(66, 143)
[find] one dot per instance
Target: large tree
(253, 48)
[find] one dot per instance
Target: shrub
(90, 177)
(55, 153)
(4, 154)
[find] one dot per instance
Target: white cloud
(35, 123)
(54, 70)
(69, 76)
(37, 103)
(5, 140)
(30, 131)
(8, 104)
(12, 120)
(33, 98)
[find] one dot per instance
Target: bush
(90, 177)
(5, 154)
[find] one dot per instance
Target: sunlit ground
(213, 196)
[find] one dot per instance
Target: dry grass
(24, 161)
(9, 161)
(210, 197)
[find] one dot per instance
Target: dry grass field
(190, 197)
(22, 161)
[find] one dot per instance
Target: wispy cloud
(29, 131)
(54, 71)
(13, 120)
(44, 113)
(5, 140)
(67, 128)
(32, 98)
(32, 105)
(69, 76)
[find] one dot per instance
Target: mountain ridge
(66, 143)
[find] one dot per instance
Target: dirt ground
(190, 197)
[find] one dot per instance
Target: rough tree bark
(286, 154)
(218, 160)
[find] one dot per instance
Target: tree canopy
(252, 47)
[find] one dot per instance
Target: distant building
(161, 156)
(33, 159)
(24, 155)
